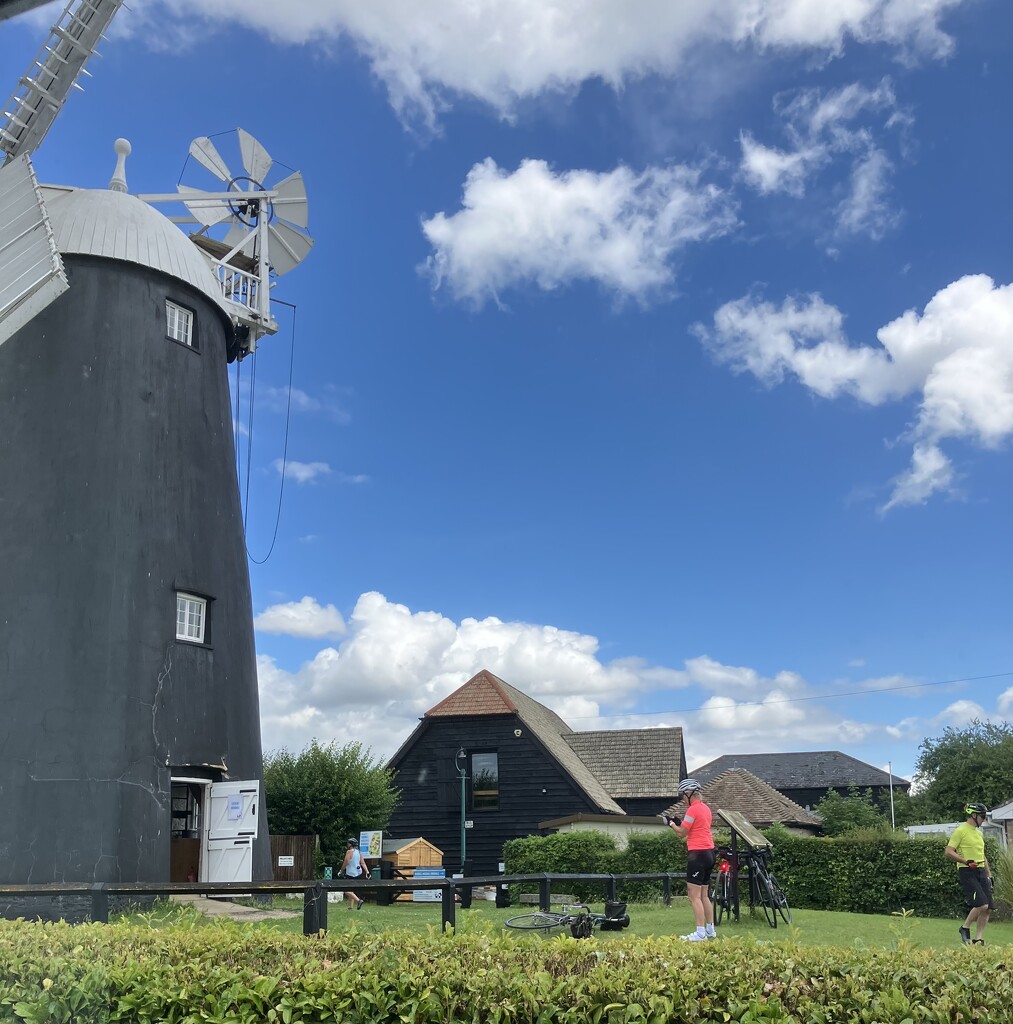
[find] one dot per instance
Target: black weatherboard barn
(523, 765)
(805, 777)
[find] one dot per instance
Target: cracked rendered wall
(117, 487)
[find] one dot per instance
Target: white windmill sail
(31, 270)
(44, 89)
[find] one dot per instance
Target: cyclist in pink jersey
(695, 827)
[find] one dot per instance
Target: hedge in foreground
(93, 974)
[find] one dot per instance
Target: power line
(285, 452)
(798, 700)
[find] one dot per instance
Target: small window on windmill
(179, 324)
(191, 617)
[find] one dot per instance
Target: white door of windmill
(232, 828)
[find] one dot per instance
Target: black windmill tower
(130, 744)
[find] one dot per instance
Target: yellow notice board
(749, 833)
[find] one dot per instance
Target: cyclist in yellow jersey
(966, 847)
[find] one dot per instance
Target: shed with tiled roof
(739, 790)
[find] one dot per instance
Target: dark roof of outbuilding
(739, 790)
(632, 762)
(812, 769)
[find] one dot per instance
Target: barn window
(179, 324)
(191, 617)
(485, 782)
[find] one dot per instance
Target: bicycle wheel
(722, 899)
(765, 894)
(540, 922)
(780, 900)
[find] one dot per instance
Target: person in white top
(353, 866)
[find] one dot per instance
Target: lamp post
(461, 760)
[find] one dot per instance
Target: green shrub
(867, 870)
(123, 974)
(870, 872)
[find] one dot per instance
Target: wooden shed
(406, 854)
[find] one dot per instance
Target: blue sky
(658, 360)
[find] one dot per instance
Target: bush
(117, 974)
(865, 871)
(583, 853)
(870, 872)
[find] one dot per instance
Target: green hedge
(114, 974)
(873, 873)
(870, 874)
(597, 853)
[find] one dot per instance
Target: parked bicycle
(764, 886)
(577, 917)
(722, 887)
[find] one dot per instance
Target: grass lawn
(809, 927)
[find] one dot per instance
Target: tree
(843, 813)
(330, 791)
(908, 809)
(974, 763)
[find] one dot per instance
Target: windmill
(130, 743)
(250, 233)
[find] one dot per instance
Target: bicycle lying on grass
(764, 886)
(577, 917)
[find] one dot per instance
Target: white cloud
(773, 170)
(503, 50)
(822, 127)
(960, 712)
(866, 209)
(957, 354)
(281, 399)
(713, 675)
(393, 664)
(301, 472)
(618, 228)
(305, 618)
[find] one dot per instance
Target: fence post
(666, 889)
(450, 908)
(99, 903)
(545, 894)
(466, 897)
(314, 910)
(610, 888)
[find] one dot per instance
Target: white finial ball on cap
(118, 182)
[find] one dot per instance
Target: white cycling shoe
(693, 937)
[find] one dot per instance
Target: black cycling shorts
(699, 866)
(977, 887)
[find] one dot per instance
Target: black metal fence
(315, 892)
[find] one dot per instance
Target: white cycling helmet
(689, 786)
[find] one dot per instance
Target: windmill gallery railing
(315, 891)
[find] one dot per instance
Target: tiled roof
(486, 694)
(482, 694)
(813, 769)
(739, 790)
(632, 762)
